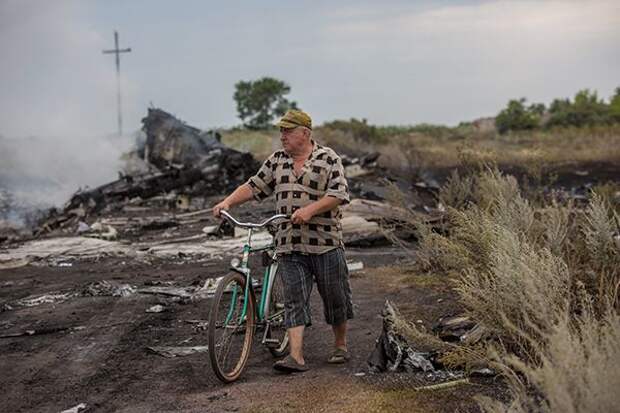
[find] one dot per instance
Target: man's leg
(340, 335)
(296, 343)
(332, 278)
(297, 280)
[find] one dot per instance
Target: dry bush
(515, 265)
(500, 196)
(522, 289)
(576, 370)
(544, 281)
(465, 357)
(496, 200)
(437, 252)
(554, 224)
(610, 194)
(424, 341)
(457, 191)
(600, 230)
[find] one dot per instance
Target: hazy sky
(392, 62)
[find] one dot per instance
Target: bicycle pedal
(272, 342)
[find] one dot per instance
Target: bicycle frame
(243, 269)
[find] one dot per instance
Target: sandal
(289, 365)
(339, 356)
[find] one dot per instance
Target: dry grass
(576, 370)
(260, 143)
(535, 151)
(544, 280)
(600, 228)
(457, 191)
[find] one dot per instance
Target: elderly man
(309, 184)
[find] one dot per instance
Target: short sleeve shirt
(321, 175)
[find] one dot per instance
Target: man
(309, 184)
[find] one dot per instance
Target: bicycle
(234, 314)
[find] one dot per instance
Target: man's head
(295, 132)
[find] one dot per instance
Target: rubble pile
(181, 160)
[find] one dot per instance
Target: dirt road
(95, 352)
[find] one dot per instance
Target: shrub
(516, 116)
(357, 129)
(518, 272)
(458, 190)
(574, 373)
(585, 110)
(600, 229)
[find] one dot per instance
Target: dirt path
(103, 360)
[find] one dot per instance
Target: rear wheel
(230, 330)
(277, 335)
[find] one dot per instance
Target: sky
(391, 62)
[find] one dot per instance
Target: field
(527, 248)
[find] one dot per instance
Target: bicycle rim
(277, 329)
(230, 333)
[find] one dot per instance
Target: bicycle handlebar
(251, 224)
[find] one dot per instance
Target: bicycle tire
(277, 328)
(234, 335)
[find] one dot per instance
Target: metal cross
(117, 52)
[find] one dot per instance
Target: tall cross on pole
(117, 52)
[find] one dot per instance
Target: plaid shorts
(332, 278)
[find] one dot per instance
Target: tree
(585, 109)
(614, 106)
(260, 101)
(517, 116)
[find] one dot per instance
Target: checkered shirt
(321, 175)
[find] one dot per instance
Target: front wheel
(231, 327)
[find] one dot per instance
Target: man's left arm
(303, 215)
(337, 193)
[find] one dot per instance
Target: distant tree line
(586, 109)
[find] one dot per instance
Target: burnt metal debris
(180, 158)
(175, 163)
(393, 352)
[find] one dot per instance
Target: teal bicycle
(235, 316)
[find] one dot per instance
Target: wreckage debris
(76, 409)
(171, 351)
(181, 159)
(40, 331)
(158, 308)
(392, 352)
(36, 300)
(106, 288)
(453, 328)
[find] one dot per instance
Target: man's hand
(302, 215)
(224, 205)
(240, 195)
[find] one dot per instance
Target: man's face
(293, 140)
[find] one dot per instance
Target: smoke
(38, 173)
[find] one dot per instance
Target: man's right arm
(260, 186)
(242, 194)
